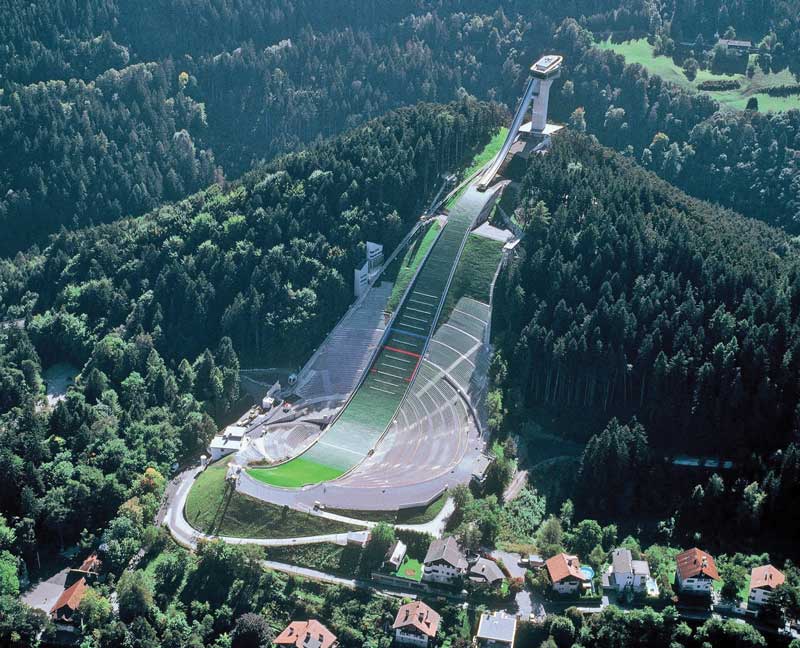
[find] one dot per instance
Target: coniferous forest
(185, 189)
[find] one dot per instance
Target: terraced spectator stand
(366, 417)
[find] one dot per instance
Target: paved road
(171, 514)
(515, 487)
(435, 527)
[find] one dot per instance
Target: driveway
(524, 600)
(44, 593)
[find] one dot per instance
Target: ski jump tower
(537, 93)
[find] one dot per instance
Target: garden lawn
(410, 569)
(295, 473)
(640, 51)
(215, 508)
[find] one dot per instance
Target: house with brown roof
(416, 624)
(306, 634)
(444, 562)
(695, 572)
(763, 581)
(486, 572)
(565, 574)
(65, 609)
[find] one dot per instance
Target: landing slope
(373, 406)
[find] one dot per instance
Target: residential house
(65, 609)
(485, 571)
(763, 581)
(416, 624)
(228, 442)
(737, 47)
(306, 634)
(395, 554)
(565, 574)
(496, 630)
(696, 572)
(444, 562)
(627, 572)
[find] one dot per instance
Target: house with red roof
(763, 581)
(65, 609)
(695, 572)
(565, 573)
(306, 634)
(416, 624)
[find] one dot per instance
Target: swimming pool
(588, 571)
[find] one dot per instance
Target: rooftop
(766, 576)
(563, 566)
(419, 616)
(485, 569)
(70, 598)
(695, 562)
(91, 565)
(306, 634)
(497, 626)
(622, 562)
(547, 65)
(447, 550)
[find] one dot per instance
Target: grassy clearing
(481, 159)
(407, 266)
(327, 557)
(410, 569)
(295, 473)
(640, 51)
(416, 515)
(213, 508)
(475, 271)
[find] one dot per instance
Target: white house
(496, 630)
(627, 572)
(228, 442)
(396, 553)
(416, 624)
(763, 581)
(696, 572)
(565, 574)
(444, 562)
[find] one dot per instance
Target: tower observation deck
(537, 93)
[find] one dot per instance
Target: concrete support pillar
(540, 99)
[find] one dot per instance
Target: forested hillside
(227, 84)
(630, 299)
(267, 262)
(153, 308)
